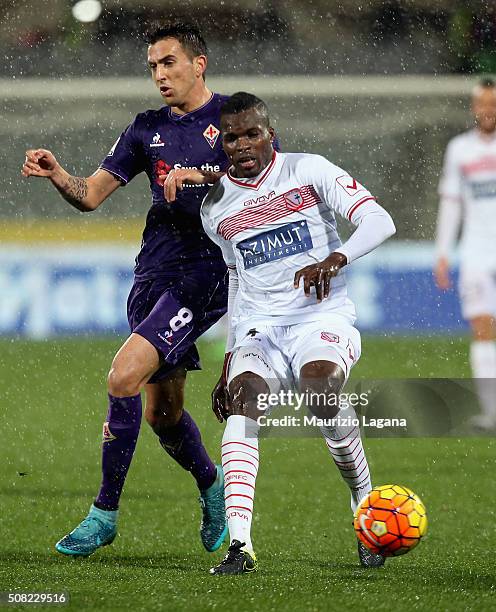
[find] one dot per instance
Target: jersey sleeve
(345, 195)
(125, 159)
(450, 183)
(225, 246)
(340, 191)
(228, 255)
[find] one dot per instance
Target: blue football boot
(98, 529)
(213, 528)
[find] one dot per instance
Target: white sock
(483, 363)
(240, 462)
(345, 445)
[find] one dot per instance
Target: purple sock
(183, 443)
(120, 434)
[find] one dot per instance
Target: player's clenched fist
(39, 162)
(220, 400)
(319, 275)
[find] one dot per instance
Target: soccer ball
(391, 520)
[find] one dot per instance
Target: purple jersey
(156, 142)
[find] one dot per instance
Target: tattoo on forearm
(74, 191)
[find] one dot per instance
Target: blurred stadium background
(378, 87)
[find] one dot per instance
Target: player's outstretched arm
(221, 404)
(442, 273)
(174, 181)
(448, 223)
(374, 225)
(220, 395)
(85, 194)
(449, 215)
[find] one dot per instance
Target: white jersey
(469, 181)
(272, 225)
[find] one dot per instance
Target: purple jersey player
(180, 279)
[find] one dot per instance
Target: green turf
(52, 406)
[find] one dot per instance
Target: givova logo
(284, 241)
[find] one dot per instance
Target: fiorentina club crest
(108, 436)
(293, 199)
(211, 134)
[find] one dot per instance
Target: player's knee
(164, 402)
(122, 382)
(244, 392)
(321, 382)
(163, 415)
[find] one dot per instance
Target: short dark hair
(188, 34)
(243, 101)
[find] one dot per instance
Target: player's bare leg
(181, 439)
(240, 460)
(131, 368)
(483, 364)
(343, 441)
(326, 379)
(133, 364)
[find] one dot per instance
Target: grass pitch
(52, 404)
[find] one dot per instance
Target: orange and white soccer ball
(391, 520)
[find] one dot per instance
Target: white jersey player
(273, 216)
(467, 192)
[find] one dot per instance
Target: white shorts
(477, 290)
(277, 353)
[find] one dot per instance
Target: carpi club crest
(293, 199)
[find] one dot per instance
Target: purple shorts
(172, 313)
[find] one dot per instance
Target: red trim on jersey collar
(261, 178)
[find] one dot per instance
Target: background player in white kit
(273, 217)
(468, 189)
